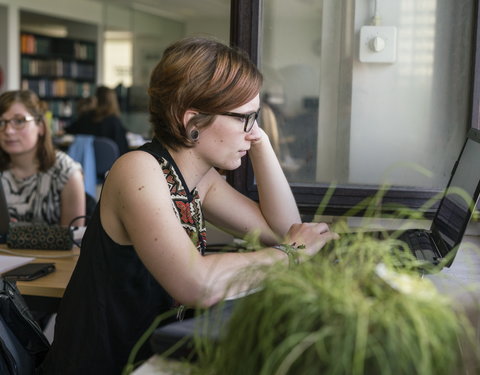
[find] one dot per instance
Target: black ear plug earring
(194, 135)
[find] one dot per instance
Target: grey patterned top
(37, 198)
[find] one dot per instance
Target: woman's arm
(235, 213)
(136, 209)
(276, 200)
(73, 200)
(232, 211)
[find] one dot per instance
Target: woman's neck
(192, 167)
(23, 166)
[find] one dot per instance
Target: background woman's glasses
(16, 122)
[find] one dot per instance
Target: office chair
(106, 152)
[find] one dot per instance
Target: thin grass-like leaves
(337, 314)
(359, 307)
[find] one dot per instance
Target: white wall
(217, 27)
(409, 113)
(290, 59)
(152, 34)
(76, 10)
(385, 120)
(3, 46)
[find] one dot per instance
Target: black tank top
(112, 298)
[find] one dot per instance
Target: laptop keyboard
(421, 245)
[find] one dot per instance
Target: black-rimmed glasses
(249, 118)
(16, 122)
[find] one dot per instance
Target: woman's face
(17, 141)
(224, 142)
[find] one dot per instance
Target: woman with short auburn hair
(144, 250)
(177, 85)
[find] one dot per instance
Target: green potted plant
(359, 307)
(351, 311)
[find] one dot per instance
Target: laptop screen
(454, 211)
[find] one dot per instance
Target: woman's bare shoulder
(134, 164)
(134, 172)
(134, 190)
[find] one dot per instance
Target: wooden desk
(54, 284)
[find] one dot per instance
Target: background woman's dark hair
(106, 103)
(84, 105)
(200, 74)
(36, 108)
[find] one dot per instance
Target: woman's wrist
(292, 252)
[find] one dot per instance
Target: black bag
(23, 345)
(39, 236)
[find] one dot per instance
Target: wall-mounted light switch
(378, 44)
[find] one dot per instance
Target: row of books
(58, 87)
(57, 68)
(61, 108)
(33, 44)
(84, 51)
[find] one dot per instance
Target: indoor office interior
(367, 103)
(338, 114)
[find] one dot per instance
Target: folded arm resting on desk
(137, 210)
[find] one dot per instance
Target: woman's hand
(309, 238)
(258, 136)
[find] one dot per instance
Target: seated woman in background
(86, 105)
(41, 184)
(104, 120)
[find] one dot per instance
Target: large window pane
(135, 38)
(332, 117)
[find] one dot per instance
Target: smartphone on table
(30, 271)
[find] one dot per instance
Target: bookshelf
(60, 71)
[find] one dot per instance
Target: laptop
(439, 244)
(4, 216)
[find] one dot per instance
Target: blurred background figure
(41, 184)
(103, 120)
(85, 105)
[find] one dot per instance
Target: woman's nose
(254, 133)
(8, 128)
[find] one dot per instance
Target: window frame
(245, 26)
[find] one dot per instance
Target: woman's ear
(189, 113)
(41, 128)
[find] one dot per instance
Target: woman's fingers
(311, 236)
